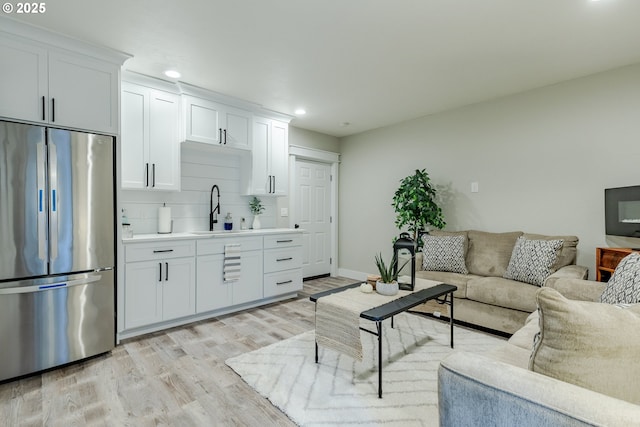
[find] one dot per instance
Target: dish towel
(232, 262)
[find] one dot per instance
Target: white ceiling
(367, 62)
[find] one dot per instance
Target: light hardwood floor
(175, 377)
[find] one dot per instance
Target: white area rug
(341, 391)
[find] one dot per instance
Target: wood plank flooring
(175, 377)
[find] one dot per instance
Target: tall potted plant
(415, 204)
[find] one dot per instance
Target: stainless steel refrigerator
(56, 247)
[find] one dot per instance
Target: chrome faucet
(213, 213)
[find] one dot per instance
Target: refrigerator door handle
(53, 207)
(42, 212)
(49, 286)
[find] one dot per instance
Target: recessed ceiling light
(300, 112)
(173, 74)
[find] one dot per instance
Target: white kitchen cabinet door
(23, 81)
(249, 287)
(202, 120)
(135, 137)
(142, 294)
(164, 140)
(178, 288)
(279, 157)
(83, 93)
(150, 150)
(268, 174)
(236, 128)
(211, 292)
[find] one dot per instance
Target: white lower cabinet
(173, 282)
(213, 292)
(159, 282)
(282, 264)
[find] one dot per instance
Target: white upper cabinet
(60, 88)
(23, 82)
(267, 172)
(83, 93)
(209, 122)
(150, 150)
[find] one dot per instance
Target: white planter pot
(256, 222)
(387, 288)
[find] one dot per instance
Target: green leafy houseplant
(255, 205)
(415, 205)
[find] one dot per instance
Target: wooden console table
(607, 260)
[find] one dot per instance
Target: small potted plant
(256, 207)
(387, 285)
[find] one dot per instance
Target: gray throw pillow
(532, 261)
(443, 253)
(624, 285)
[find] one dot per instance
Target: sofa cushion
(567, 255)
(502, 292)
(443, 253)
(589, 344)
(532, 260)
(624, 285)
(489, 253)
(456, 279)
(523, 337)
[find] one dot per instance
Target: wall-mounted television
(622, 211)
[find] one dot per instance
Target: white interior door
(313, 214)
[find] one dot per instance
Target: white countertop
(208, 234)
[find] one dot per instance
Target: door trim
(297, 152)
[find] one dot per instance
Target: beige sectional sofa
(581, 370)
(484, 296)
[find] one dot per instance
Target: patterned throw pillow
(624, 285)
(443, 253)
(532, 260)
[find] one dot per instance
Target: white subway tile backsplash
(200, 170)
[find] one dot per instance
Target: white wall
(311, 139)
(542, 160)
(200, 169)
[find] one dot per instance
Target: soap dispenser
(228, 222)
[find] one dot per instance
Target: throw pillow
(589, 344)
(624, 285)
(532, 260)
(443, 253)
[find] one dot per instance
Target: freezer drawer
(49, 322)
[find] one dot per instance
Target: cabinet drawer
(151, 251)
(282, 259)
(215, 245)
(282, 283)
(282, 240)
